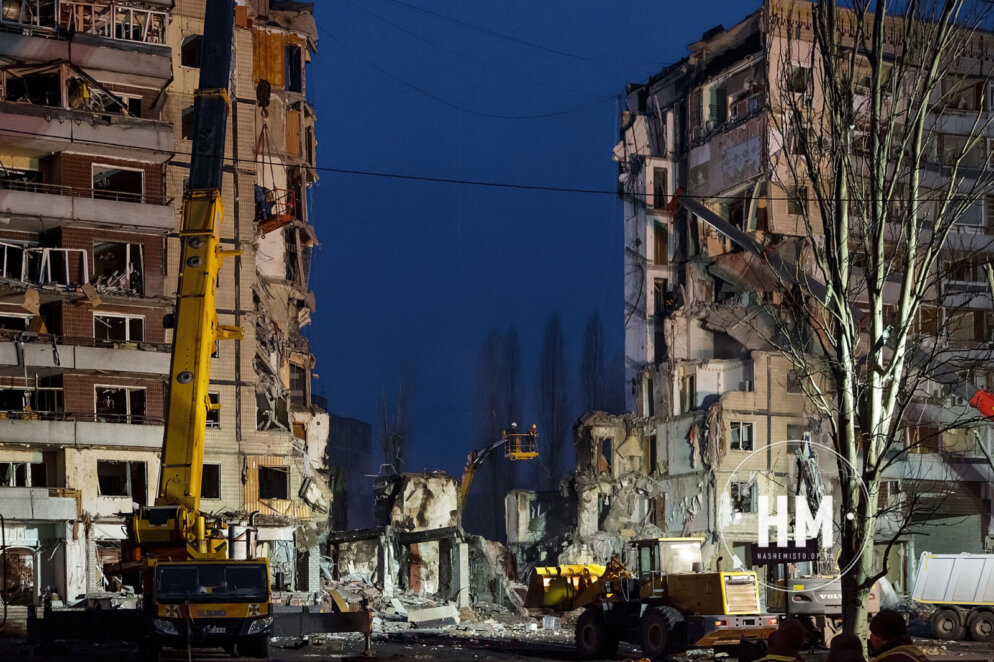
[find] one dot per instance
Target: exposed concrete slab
(434, 617)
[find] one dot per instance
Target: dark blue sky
(412, 275)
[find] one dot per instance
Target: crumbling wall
(361, 558)
(417, 502)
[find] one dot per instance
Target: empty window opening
(210, 483)
(661, 250)
(55, 266)
(742, 497)
(298, 385)
(14, 321)
(28, 402)
(186, 124)
(649, 453)
(117, 183)
(119, 267)
(660, 290)
(659, 179)
(120, 404)
(23, 474)
(189, 54)
(122, 479)
(688, 393)
(604, 464)
(43, 88)
(214, 415)
(741, 437)
(294, 69)
(120, 328)
(274, 482)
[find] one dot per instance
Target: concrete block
(434, 617)
(550, 623)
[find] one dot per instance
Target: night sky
(412, 275)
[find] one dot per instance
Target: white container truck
(961, 588)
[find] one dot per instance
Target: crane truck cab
(669, 603)
(207, 604)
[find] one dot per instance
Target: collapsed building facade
(707, 388)
(96, 101)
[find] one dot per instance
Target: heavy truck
(961, 589)
(665, 604)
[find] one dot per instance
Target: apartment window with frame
(120, 404)
(294, 78)
(214, 415)
(797, 200)
(741, 438)
(660, 288)
(794, 384)
(210, 482)
(123, 478)
(742, 493)
(799, 79)
(274, 483)
(661, 243)
(119, 328)
(120, 266)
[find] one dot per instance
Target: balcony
(44, 206)
(60, 429)
(39, 130)
(38, 504)
(123, 40)
(55, 353)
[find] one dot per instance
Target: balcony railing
(33, 415)
(77, 192)
(109, 20)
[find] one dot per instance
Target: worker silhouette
(889, 639)
(784, 645)
(846, 647)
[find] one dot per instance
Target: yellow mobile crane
(192, 593)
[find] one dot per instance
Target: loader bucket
(556, 587)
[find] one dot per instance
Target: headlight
(260, 625)
(163, 626)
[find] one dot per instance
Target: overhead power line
(487, 183)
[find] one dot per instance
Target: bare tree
(395, 422)
(880, 109)
(554, 401)
(593, 388)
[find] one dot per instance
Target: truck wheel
(591, 635)
(654, 633)
(149, 650)
(980, 625)
(947, 624)
(258, 647)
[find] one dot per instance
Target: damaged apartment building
(705, 387)
(96, 101)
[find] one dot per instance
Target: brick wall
(75, 320)
(80, 399)
(76, 170)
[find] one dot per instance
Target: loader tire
(947, 624)
(980, 626)
(592, 638)
(257, 647)
(149, 650)
(657, 631)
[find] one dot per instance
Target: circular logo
(791, 516)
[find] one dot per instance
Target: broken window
(120, 404)
(55, 266)
(797, 201)
(742, 497)
(657, 511)
(924, 440)
(741, 436)
(799, 79)
(210, 483)
(650, 398)
(606, 455)
(298, 385)
(659, 346)
(120, 267)
(274, 482)
(23, 474)
(294, 77)
(794, 382)
(214, 415)
(660, 288)
(660, 177)
(649, 453)
(41, 88)
(122, 479)
(661, 237)
(14, 321)
(19, 572)
(123, 328)
(39, 13)
(688, 393)
(118, 183)
(189, 54)
(186, 123)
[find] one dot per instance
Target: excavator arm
(520, 445)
